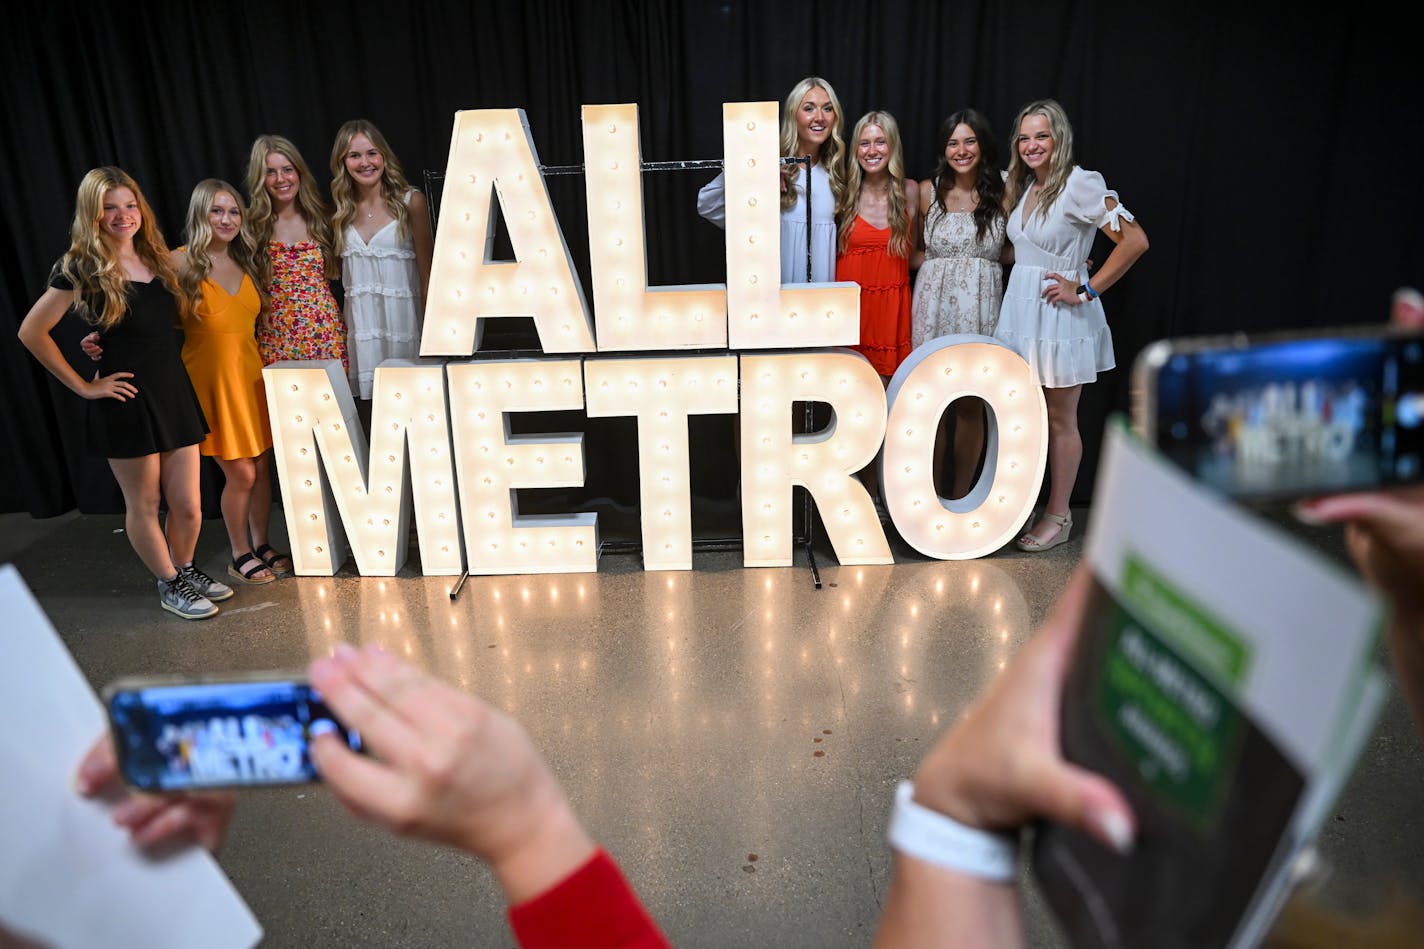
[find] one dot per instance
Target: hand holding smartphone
(177, 734)
(1287, 415)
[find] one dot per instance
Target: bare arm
(917, 197)
(424, 239)
(35, 331)
(1131, 243)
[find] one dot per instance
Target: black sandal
(245, 568)
(277, 561)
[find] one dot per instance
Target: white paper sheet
(68, 876)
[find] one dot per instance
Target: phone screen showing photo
(1302, 417)
(233, 734)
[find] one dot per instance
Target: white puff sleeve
(1085, 200)
(712, 201)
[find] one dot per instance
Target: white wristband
(927, 835)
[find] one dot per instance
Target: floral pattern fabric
(302, 319)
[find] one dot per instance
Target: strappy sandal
(277, 561)
(247, 569)
(1030, 542)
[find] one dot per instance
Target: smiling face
(872, 150)
(364, 161)
(281, 179)
(225, 217)
(815, 117)
(962, 151)
(1035, 143)
(119, 215)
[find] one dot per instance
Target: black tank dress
(148, 343)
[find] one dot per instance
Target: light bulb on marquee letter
(662, 393)
(630, 315)
(760, 313)
(491, 151)
(492, 463)
(1016, 446)
(825, 462)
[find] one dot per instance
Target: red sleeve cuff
(593, 907)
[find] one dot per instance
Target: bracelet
(1088, 289)
(916, 831)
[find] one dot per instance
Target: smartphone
(1281, 416)
(180, 734)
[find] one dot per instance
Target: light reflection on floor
(732, 735)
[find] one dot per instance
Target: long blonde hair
(91, 264)
(198, 233)
(1060, 162)
(849, 203)
(310, 204)
(343, 189)
(832, 149)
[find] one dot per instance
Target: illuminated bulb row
(631, 316)
(491, 151)
(773, 461)
(490, 464)
(662, 393)
(924, 386)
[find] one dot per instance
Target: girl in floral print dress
(292, 222)
(292, 228)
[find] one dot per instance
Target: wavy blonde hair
(832, 149)
(849, 203)
(1060, 162)
(310, 204)
(91, 264)
(343, 188)
(198, 233)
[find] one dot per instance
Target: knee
(185, 508)
(241, 477)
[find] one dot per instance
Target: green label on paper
(1176, 726)
(1192, 629)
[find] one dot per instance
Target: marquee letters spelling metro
(440, 436)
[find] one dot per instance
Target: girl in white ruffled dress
(1051, 314)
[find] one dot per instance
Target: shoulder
(415, 199)
(178, 259)
(912, 196)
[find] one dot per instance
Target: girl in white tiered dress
(386, 244)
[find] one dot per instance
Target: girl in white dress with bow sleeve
(1051, 314)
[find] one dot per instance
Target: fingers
(368, 789)
(1088, 802)
(1407, 308)
(99, 768)
(380, 697)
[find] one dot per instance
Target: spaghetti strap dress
(165, 414)
(960, 285)
(382, 300)
(885, 295)
(220, 351)
(302, 319)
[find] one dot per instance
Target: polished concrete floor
(733, 736)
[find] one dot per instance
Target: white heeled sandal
(1030, 542)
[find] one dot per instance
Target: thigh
(1063, 403)
(180, 475)
(138, 479)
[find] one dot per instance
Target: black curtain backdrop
(1270, 152)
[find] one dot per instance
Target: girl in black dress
(142, 414)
